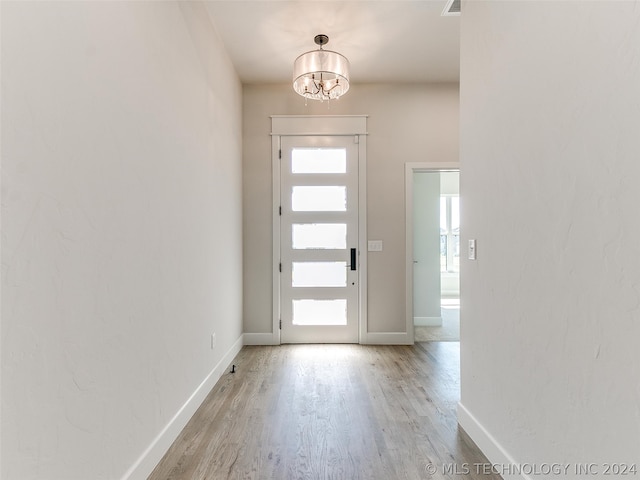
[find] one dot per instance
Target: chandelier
(321, 74)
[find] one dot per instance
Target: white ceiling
(385, 40)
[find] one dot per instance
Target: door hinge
(280, 154)
(280, 324)
(280, 210)
(280, 267)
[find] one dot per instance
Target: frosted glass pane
(320, 312)
(319, 160)
(319, 235)
(319, 199)
(319, 274)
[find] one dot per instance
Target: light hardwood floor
(330, 412)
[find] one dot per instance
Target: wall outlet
(213, 341)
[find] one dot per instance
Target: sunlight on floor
(328, 351)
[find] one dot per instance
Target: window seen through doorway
(449, 234)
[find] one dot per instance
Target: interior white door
(319, 239)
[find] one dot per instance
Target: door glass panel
(319, 199)
(319, 236)
(320, 312)
(318, 160)
(319, 274)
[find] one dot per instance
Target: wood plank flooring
(330, 412)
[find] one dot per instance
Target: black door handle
(353, 259)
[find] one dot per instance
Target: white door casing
(319, 229)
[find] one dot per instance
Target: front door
(319, 239)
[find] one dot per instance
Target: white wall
(450, 183)
(121, 228)
(550, 108)
(407, 123)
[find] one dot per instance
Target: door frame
(409, 169)
(329, 126)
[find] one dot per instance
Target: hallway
(329, 411)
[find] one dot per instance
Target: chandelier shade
(321, 74)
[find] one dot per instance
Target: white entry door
(319, 239)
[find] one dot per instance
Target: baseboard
(388, 338)
(427, 321)
(381, 338)
(495, 453)
(143, 467)
(260, 339)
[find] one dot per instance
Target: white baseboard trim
(260, 339)
(388, 338)
(495, 453)
(427, 321)
(143, 467)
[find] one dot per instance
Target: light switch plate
(472, 249)
(375, 246)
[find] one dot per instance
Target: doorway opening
(433, 252)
